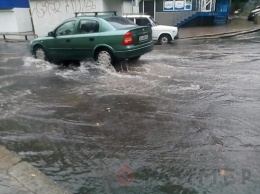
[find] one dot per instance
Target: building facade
(15, 16)
(47, 14)
(182, 12)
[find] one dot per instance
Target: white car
(161, 33)
(254, 12)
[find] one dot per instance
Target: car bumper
(135, 51)
(31, 49)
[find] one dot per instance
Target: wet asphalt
(183, 119)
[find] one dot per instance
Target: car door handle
(68, 40)
(91, 39)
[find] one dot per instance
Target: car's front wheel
(104, 57)
(164, 39)
(40, 53)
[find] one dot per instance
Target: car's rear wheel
(164, 39)
(104, 57)
(40, 53)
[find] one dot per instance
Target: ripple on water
(6, 84)
(73, 138)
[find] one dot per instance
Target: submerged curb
(17, 176)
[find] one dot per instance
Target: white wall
(23, 19)
(127, 7)
(113, 5)
(8, 21)
(15, 20)
(47, 14)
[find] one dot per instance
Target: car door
(147, 22)
(86, 38)
(60, 46)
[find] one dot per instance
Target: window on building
(66, 28)
(88, 26)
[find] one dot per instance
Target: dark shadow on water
(128, 65)
(119, 66)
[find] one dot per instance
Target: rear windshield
(120, 22)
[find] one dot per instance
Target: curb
(13, 40)
(222, 35)
(17, 176)
(23, 37)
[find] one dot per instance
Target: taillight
(128, 38)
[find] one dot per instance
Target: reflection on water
(183, 119)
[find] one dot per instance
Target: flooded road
(184, 119)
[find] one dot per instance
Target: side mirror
(51, 34)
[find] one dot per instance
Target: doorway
(147, 7)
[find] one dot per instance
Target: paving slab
(234, 27)
(19, 177)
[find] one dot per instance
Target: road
(184, 119)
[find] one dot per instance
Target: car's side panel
(60, 47)
(86, 38)
(155, 33)
(121, 51)
(83, 45)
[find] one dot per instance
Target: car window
(153, 22)
(66, 28)
(143, 22)
(120, 22)
(132, 19)
(88, 26)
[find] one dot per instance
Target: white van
(160, 33)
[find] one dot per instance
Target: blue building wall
(10, 4)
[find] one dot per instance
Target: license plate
(142, 38)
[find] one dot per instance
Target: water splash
(39, 64)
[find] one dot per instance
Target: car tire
(134, 58)
(164, 39)
(104, 57)
(40, 53)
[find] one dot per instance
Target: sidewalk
(234, 27)
(19, 177)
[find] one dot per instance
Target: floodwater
(184, 119)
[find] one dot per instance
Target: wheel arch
(165, 33)
(99, 47)
(38, 45)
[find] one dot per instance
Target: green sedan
(104, 38)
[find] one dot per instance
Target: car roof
(136, 15)
(91, 17)
(88, 15)
(96, 13)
